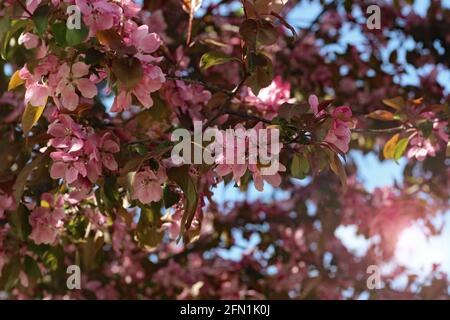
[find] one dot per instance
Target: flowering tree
(90, 92)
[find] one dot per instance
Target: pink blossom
(29, 40)
(99, 14)
(66, 134)
(80, 152)
(107, 148)
(71, 78)
(67, 166)
(421, 148)
(7, 203)
(256, 144)
(145, 42)
(32, 5)
(37, 95)
(38, 91)
(147, 185)
(150, 82)
(190, 98)
(46, 219)
(270, 98)
(238, 163)
(339, 133)
(258, 178)
(439, 128)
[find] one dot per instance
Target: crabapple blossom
(7, 203)
(421, 148)
(248, 150)
(151, 81)
(46, 219)
(99, 14)
(190, 98)
(339, 133)
(270, 98)
(79, 154)
(147, 184)
(72, 78)
(29, 40)
(145, 42)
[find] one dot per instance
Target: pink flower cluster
(421, 147)
(147, 184)
(270, 98)
(189, 98)
(80, 153)
(339, 133)
(152, 79)
(248, 159)
(46, 219)
(59, 81)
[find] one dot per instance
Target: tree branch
(24, 8)
(210, 87)
(227, 101)
(380, 131)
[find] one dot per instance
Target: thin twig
(245, 115)
(316, 20)
(210, 87)
(24, 8)
(227, 101)
(380, 131)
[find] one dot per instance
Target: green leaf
(170, 197)
(30, 116)
(299, 166)
(321, 132)
(214, 58)
(128, 72)
(266, 34)
(90, 251)
(148, 231)
(15, 27)
(426, 128)
(31, 268)
(40, 19)
(396, 103)
(59, 31)
(19, 222)
(389, 147)
(400, 148)
(5, 22)
(53, 258)
(248, 31)
(258, 32)
(22, 177)
(15, 81)
(10, 274)
(337, 167)
(76, 36)
(180, 175)
(261, 72)
(77, 226)
(111, 192)
(94, 57)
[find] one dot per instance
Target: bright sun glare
(419, 253)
